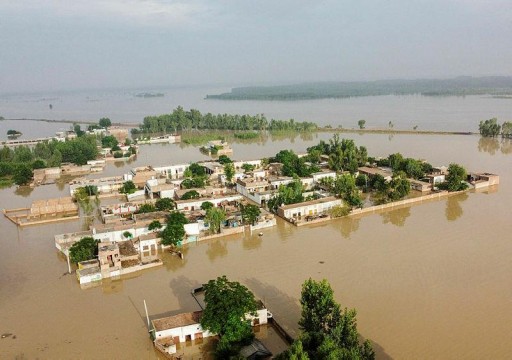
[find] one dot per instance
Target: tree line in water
(181, 120)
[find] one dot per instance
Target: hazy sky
(72, 44)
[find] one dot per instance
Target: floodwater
(404, 112)
(430, 281)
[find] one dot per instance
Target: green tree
(110, 142)
(128, 187)
(176, 217)
(489, 127)
(38, 164)
(84, 249)
(295, 352)
(248, 167)
(105, 122)
(22, 174)
(224, 159)
(192, 194)
(172, 234)
(229, 171)
(227, 305)
(55, 159)
(215, 217)
(506, 129)
(206, 206)
(127, 235)
(250, 213)
(146, 208)
(328, 331)
(456, 177)
(154, 225)
(361, 124)
(164, 204)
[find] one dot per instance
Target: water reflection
(217, 248)
(349, 225)
(488, 144)
(492, 145)
(174, 262)
(396, 217)
(453, 209)
(24, 191)
(252, 242)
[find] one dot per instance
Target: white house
(160, 188)
(322, 175)
(172, 330)
(313, 207)
(195, 204)
(172, 171)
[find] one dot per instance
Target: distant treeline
(180, 120)
(459, 86)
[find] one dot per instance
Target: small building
(313, 207)
(212, 167)
(171, 171)
(160, 188)
(422, 186)
(436, 178)
(480, 180)
(371, 171)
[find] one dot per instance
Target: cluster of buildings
(254, 183)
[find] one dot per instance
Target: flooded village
(127, 225)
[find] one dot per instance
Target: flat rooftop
(172, 322)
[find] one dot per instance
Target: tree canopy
(215, 217)
(328, 332)
(84, 249)
(489, 127)
(227, 305)
(250, 213)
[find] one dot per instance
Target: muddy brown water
(431, 281)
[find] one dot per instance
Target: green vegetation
(180, 120)
(343, 154)
(248, 167)
(246, 135)
(104, 122)
(328, 332)
(250, 213)
(215, 217)
(14, 164)
(110, 142)
(192, 194)
(154, 225)
(361, 124)
(293, 165)
(195, 177)
(84, 249)
(229, 171)
(224, 159)
(146, 208)
(491, 128)
(287, 194)
(127, 235)
(22, 174)
(128, 187)
(455, 180)
(227, 304)
(174, 231)
(13, 133)
(339, 211)
(164, 204)
(206, 206)
(459, 86)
